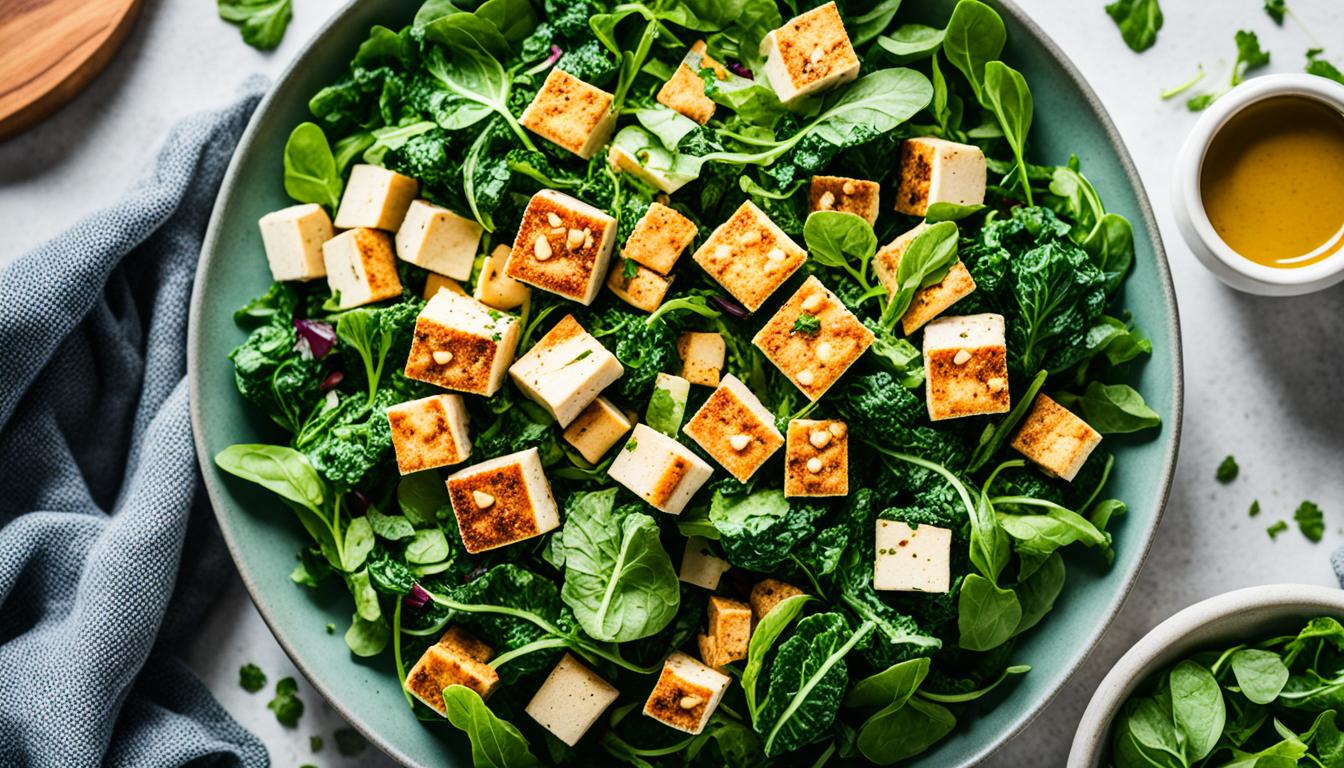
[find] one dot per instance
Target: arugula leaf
(495, 743)
(263, 21)
(311, 175)
(1139, 22)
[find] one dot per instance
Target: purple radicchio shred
(319, 336)
(332, 381)
(358, 502)
(556, 53)
(729, 306)
(739, 69)
(417, 598)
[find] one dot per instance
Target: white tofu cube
(375, 198)
(768, 593)
(293, 239)
(429, 432)
(928, 302)
(809, 54)
(563, 246)
(735, 429)
(667, 404)
(813, 338)
(502, 501)
(843, 195)
(571, 114)
(443, 665)
(939, 171)
(685, 91)
(1055, 439)
(361, 267)
(462, 345)
(438, 240)
(496, 289)
(600, 426)
(702, 357)
(435, 283)
(571, 700)
(816, 459)
(659, 470)
(965, 367)
(912, 559)
(686, 694)
(700, 566)
(659, 238)
(566, 370)
(750, 256)
(644, 290)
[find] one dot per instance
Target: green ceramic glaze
(264, 536)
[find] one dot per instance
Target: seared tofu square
(462, 345)
(293, 239)
(702, 356)
(965, 367)
(930, 301)
(843, 195)
(455, 638)
(644, 290)
(768, 593)
(496, 289)
(939, 171)
(685, 91)
(566, 370)
(729, 623)
(571, 114)
(434, 238)
(571, 700)
(659, 470)
(375, 198)
(502, 501)
(701, 567)
(1055, 439)
(563, 246)
(443, 665)
(910, 559)
(686, 694)
(816, 458)
(659, 238)
(750, 256)
(813, 338)
(361, 267)
(809, 54)
(735, 429)
(429, 432)
(598, 427)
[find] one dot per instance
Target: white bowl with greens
(1236, 679)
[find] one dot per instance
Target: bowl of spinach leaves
(358, 570)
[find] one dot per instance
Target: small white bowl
(1227, 619)
(1230, 267)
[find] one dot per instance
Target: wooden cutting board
(51, 49)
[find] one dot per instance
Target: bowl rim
(1142, 543)
(1089, 740)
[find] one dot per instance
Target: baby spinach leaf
(362, 331)
(875, 104)
(1006, 95)
(1260, 674)
(1111, 246)
(358, 544)
(277, 468)
(975, 36)
(763, 638)
(311, 175)
(924, 263)
(391, 527)
(367, 638)
(495, 743)
(911, 42)
(891, 736)
(1037, 593)
(892, 686)
(1112, 408)
(514, 19)
(263, 21)
(366, 598)
(1045, 533)
(1139, 22)
(863, 28)
(841, 240)
(428, 546)
(475, 75)
(1197, 708)
(987, 615)
(950, 212)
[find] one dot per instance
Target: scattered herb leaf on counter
(1139, 22)
(1250, 57)
(1277, 528)
(263, 22)
(1227, 470)
(286, 704)
(1310, 520)
(1322, 68)
(1276, 9)
(315, 743)
(251, 678)
(1255, 508)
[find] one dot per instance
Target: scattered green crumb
(1255, 508)
(807, 324)
(251, 678)
(1227, 471)
(286, 704)
(331, 629)
(316, 743)
(1310, 520)
(1275, 529)
(349, 742)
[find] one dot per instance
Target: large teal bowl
(263, 536)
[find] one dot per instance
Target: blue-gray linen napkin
(108, 554)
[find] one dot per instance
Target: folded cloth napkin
(108, 554)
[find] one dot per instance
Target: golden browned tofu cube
(441, 667)
(966, 367)
(563, 246)
(710, 653)
(502, 501)
(685, 91)
(735, 429)
(939, 171)
(767, 593)
(813, 338)
(571, 114)
(659, 237)
(809, 54)
(643, 291)
(496, 289)
(596, 429)
(816, 458)
(429, 432)
(836, 193)
(462, 345)
(1055, 439)
(435, 283)
(376, 198)
(659, 470)
(455, 638)
(928, 302)
(750, 256)
(730, 626)
(361, 267)
(702, 356)
(686, 694)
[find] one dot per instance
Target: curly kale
(644, 349)
(434, 158)
(591, 62)
(272, 375)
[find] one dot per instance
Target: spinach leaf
(975, 36)
(841, 241)
(1139, 22)
(863, 28)
(1111, 246)
(896, 356)
(278, 469)
(924, 263)
(763, 637)
(362, 331)
(389, 576)
(1197, 708)
(1261, 675)
(1007, 96)
(495, 743)
(391, 527)
(358, 544)
(1042, 534)
(950, 212)
(892, 686)
(428, 546)
(987, 615)
(311, 175)
(367, 638)
(893, 735)
(514, 19)
(1037, 593)
(263, 21)
(476, 77)
(366, 598)
(1112, 408)
(911, 42)
(1056, 294)
(758, 530)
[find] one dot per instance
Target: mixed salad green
(847, 672)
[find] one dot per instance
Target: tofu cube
(600, 426)
(429, 432)
(809, 54)
(730, 627)
(659, 470)
(939, 171)
(441, 666)
(502, 501)
(685, 91)
(361, 267)
(735, 429)
(644, 291)
(750, 256)
(435, 283)
(293, 239)
(701, 567)
(571, 700)
(455, 638)
(571, 114)
(710, 654)
(965, 367)
(1055, 439)
(912, 559)
(836, 193)
(813, 338)
(702, 356)
(375, 198)
(768, 593)
(928, 302)
(462, 345)
(563, 246)
(686, 694)
(496, 289)
(566, 370)
(438, 240)
(816, 459)
(659, 238)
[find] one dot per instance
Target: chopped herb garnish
(1227, 471)
(629, 270)
(1276, 9)
(808, 324)
(331, 629)
(1310, 520)
(585, 353)
(1255, 508)
(632, 445)
(286, 704)
(315, 742)
(251, 678)
(1275, 529)
(1322, 68)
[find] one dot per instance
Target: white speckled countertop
(1262, 375)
